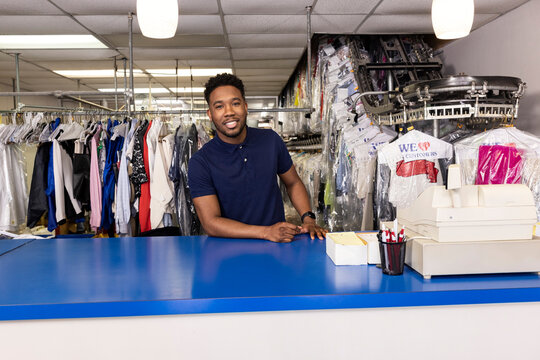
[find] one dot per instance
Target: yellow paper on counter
(346, 238)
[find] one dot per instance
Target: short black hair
(223, 80)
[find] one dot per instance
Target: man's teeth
(231, 124)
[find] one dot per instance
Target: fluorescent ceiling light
(96, 73)
(50, 42)
(452, 19)
(187, 72)
(158, 19)
(157, 90)
(102, 73)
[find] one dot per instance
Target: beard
(232, 133)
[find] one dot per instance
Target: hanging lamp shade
(158, 19)
(452, 19)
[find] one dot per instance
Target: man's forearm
(299, 197)
(223, 227)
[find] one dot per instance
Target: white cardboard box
(346, 248)
(374, 254)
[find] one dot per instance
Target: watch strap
(308, 214)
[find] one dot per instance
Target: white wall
(508, 46)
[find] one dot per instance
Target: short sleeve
(284, 158)
(199, 179)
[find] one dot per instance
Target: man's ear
(209, 114)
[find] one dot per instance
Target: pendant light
(158, 19)
(452, 19)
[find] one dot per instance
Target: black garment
(81, 178)
(37, 200)
(139, 177)
(185, 145)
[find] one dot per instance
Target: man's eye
(236, 104)
(219, 106)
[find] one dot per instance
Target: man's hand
(281, 232)
(309, 226)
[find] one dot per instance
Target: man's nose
(228, 109)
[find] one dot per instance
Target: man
(232, 179)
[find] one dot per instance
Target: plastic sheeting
(501, 156)
(13, 192)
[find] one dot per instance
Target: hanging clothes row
(114, 177)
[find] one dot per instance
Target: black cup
(392, 257)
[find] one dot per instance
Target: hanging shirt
(123, 190)
(109, 180)
(51, 215)
(95, 182)
(144, 203)
(414, 165)
(243, 176)
(63, 178)
(161, 190)
(138, 176)
(37, 200)
(185, 145)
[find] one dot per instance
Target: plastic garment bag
(13, 192)
(407, 167)
(308, 166)
(355, 174)
(501, 156)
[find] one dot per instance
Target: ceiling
(261, 40)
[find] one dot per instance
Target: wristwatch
(309, 214)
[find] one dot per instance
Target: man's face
(228, 111)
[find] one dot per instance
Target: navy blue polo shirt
(243, 177)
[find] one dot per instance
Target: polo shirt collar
(230, 148)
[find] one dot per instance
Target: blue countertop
(103, 277)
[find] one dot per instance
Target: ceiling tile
(261, 71)
(199, 24)
(26, 74)
(266, 78)
(39, 25)
(336, 24)
(10, 65)
(80, 65)
(79, 54)
(108, 24)
(267, 53)
(267, 40)
(171, 63)
(291, 24)
(243, 7)
(496, 6)
(123, 7)
(254, 24)
(344, 6)
(267, 64)
(158, 54)
(409, 24)
(118, 24)
(28, 7)
(397, 7)
(178, 40)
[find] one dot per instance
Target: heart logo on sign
(424, 145)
